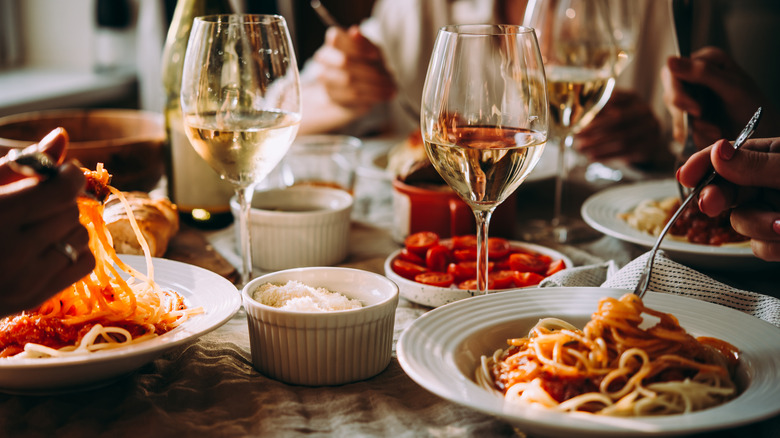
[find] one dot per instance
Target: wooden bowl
(128, 142)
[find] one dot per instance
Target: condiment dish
(323, 348)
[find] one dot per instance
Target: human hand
(353, 70)
(726, 97)
(750, 183)
(625, 128)
(38, 215)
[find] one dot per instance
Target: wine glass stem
(560, 179)
(244, 197)
(483, 221)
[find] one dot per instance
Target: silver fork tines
(31, 162)
(644, 278)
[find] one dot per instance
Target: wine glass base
(567, 231)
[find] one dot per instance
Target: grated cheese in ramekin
(298, 297)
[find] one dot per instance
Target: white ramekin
(329, 348)
(299, 226)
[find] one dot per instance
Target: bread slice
(157, 219)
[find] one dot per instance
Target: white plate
(601, 211)
(441, 349)
(433, 296)
(199, 287)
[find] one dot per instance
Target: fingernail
(725, 150)
(776, 226)
(677, 174)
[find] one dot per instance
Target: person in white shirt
(364, 78)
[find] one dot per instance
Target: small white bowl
(328, 348)
(298, 226)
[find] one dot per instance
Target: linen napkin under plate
(668, 277)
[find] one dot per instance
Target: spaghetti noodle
(102, 310)
(613, 366)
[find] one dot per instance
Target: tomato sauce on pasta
(613, 366)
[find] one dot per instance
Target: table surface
(209, 387)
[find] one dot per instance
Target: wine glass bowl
(241, 104)
(484, 116)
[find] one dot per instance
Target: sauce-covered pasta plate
(443, 351)
(217, 297)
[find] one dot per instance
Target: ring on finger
(68, 251)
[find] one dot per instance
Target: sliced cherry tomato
(525, 279)
(465, 270)
(497, 247)
(544, 257)
(518, 250)
(464, 242)
(501, 264)
(419, 243)
(527, 263)
(556, 266)
(462, 270)
(439, 279)
(502, 279)
(407, 269)
(465, 254)
(409, 256)
(437, 258)
(471, 284)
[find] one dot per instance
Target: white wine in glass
(580, 53)
(484, 117)
(241, 103)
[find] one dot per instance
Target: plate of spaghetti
(633, 212)
(598, 362)
(129, 310)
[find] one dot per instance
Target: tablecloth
(210, 389)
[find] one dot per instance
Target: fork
(644, 278)
(689, 147)
(682, 13)
(30, 162)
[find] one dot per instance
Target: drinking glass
(579, 53)
(240, 99)
(484, 117)
(625, 23)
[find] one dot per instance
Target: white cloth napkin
(668, 277)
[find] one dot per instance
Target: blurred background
(106, 53)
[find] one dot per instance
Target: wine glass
(579, 53)
(241, 103)
(625, 24)
(484, 117)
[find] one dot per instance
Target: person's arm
(750, 182)
(40, 218)
(348, 78)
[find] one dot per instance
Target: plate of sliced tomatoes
(432, 271)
